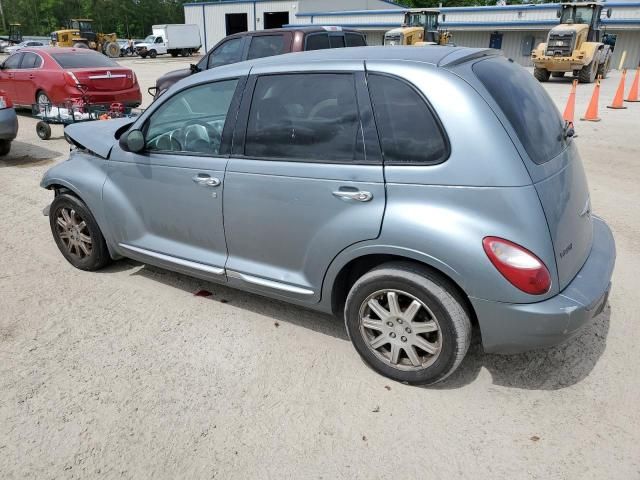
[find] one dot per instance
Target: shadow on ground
(550, 369)
(27, 155)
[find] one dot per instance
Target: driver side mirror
(132, 141)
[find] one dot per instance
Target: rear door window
(408, 129)
(266, 46)
(355, 40)
(527, 106)
(317, 41)
(30, 60)
(13, 61)
(305, 117)
(336, 41)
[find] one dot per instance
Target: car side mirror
(132, 141)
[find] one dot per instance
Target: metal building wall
(628, 40)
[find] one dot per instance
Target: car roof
(441, 56)
(50, 50)
(307, 29)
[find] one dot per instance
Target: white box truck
(174, 39)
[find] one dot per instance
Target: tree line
(133, 18)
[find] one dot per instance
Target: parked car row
(352, 185)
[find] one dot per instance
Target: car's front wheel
(77, 234)
(408, 323)
(5, 147)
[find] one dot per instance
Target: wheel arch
(344, 272)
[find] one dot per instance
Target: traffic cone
(570, 109)
(633, 93)
(591, 114)
(617, 100)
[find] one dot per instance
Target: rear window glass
(408, 130)
(336, 41)
(317, 41)
(83, 60)
(355, 40)
(266, 46)
(527, 106)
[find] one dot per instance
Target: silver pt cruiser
(415, 191)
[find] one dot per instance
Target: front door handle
(206, 180)
(359, 196)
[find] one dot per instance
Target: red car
(52, 75)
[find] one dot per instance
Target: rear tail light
(133, 76)
(5, 101)
(71, 79)
(522, 268)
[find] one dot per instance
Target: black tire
(541, 74)
(433, 291)
(174, 53)
(557, 74)
(5, 147)
(185, 52)
(588, 73)
(143, 55)
(43, 129)
(153, 54)
(80, 45)
(99, 254)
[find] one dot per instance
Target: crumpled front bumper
(513, 328)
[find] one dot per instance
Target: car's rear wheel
(77, 234)
(5, 147)
(42, 98)
(408, 323)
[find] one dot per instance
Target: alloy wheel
(400, 330)
(74, 233)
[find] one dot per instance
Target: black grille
(560, 44)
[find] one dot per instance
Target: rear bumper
(513, 328)
(8, 124)
(131, 97)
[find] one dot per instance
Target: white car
(20, 46)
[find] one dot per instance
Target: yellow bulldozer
(80, 34)
(419, 27)
(577, 45)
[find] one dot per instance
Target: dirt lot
(126, 374)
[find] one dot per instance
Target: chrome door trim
(263, 282)
(178, 261)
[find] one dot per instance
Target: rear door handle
(359, 196)
(206, 180)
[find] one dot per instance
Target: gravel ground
(126, 374)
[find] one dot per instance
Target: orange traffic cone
(591, 114)
(570, 109)
(617, 100)
(633, 93)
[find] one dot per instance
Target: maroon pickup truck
(264, 43)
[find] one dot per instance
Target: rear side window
(408, 130)
(317, 41)
(304, 117)
(83, 60)
(336, 41)
(266, 46)
(355, 40)
(527, 106)
(30, 60)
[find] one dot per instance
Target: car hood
(98, 136)
(145, 45)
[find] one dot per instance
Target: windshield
(427, 20)
(577, 15)
(83, 60)
(149, 39)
